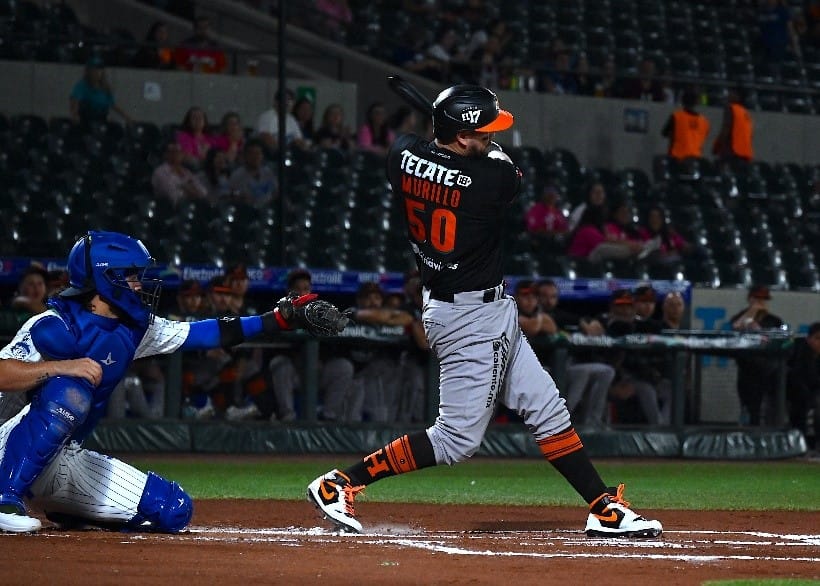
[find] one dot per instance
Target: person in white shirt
(267, 125)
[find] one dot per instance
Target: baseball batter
(71, 357)
(455, 191)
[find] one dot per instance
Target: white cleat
(18, 523)
(333, 495)
(610, 516)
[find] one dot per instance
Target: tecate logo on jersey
(418, 167)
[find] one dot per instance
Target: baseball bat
(408, 92)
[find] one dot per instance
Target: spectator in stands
(156, 52)
(622, 227)
(267, 125)
(203, 390)
(583, 80)
(454, 65)
(646, 86)
(673, 311)
(637, 376)
(559, 79)
(548, 297)
(376, 366)
(686, 129)
(595, 195)
(803, 384)
(335, 374)
(175, 181)
(546, 223)
(778, 35)
(489, 64)
(646, 302)
(200, 52)
(592, 240)
(140, 394)
(375, 135)
(215, 175)
(193, 137)
(414, 362)
(56, 282)
(606, 85)
(410, 53)
(587, 383)
(303, 112)
(756, 378)
(733, 143)
(91, 98)
(252, 392)
(32, 293)
(333, 133)
(335, 17)
(190, 302)
(404, 121)
(672, 247)
(231, 137)
(284, 374)
(497, 28)
(254, 181)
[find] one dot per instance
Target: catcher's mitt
(318, 317)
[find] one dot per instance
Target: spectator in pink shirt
(375, 134)
(192, 137)
(174, 181)
(546, 223)
(621, 225)
(592, 241)
(231, 137)
(672, 247)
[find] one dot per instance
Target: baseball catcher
(71, 357)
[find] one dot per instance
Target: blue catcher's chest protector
(108, 341)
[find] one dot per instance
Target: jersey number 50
(442, 225)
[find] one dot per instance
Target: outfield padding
(501, 441)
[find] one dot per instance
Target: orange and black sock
(404, 454)
(566, 452)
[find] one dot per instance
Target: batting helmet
(468, 107)
(107, 263)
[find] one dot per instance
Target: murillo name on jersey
(430, 181)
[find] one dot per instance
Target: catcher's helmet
(468, 107)
(104, 262)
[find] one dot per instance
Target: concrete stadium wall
(592, 128)
(159, 96)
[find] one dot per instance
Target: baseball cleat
(333, 495)
(13, 517)
(610, 516)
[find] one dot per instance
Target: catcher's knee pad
(57, 410)
(164, 506)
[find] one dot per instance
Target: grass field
(667, 484)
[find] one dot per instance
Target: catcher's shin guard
(60, 407)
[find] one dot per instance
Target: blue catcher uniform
(41, 454)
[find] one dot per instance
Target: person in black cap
(756, 378)
(646, 301)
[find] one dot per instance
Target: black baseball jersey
(454, 207)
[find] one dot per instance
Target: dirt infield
(281, 542)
